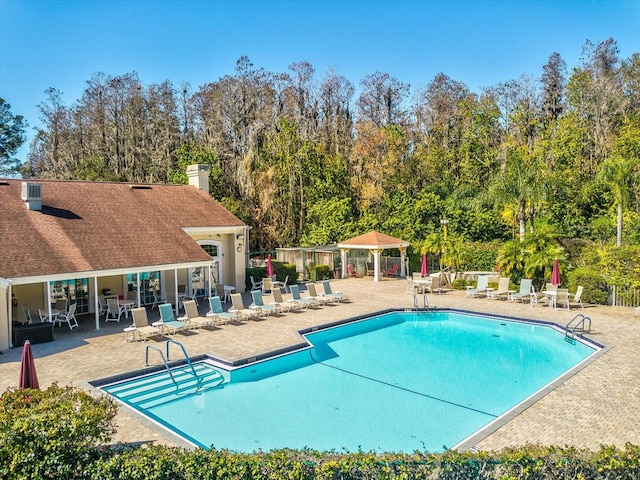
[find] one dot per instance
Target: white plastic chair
(69, 317)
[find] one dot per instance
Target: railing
(577, 322)
(165, 360)
(624, 296)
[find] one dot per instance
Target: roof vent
(32, 195)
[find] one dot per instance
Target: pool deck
(596, 406)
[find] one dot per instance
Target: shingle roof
(94, 226)
(374, 239)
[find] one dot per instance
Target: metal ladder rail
(164, 362)
(581, 320)
(184, 352)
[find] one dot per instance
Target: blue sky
(62, 43)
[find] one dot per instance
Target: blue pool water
(397, 382)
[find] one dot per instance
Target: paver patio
(597, 406)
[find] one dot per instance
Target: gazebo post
(403, 255)
(377, 252)
(343, 256)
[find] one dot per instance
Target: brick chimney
(199, 177)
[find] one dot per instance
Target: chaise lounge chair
(480, 288)
(141, 324)
(319, 299)
(242, 313)
(502, 290)
(192, 316)
(525, 291)
(217, 313)
(303, 302)
(168, 322)
(258, 303)
(327, 291)
(284, 305)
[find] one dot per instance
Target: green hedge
(280, 269)
(60, 433)
(594, 285)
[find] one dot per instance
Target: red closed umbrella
(424, 269)
(28, 376)
(269, 266)
(555, 273)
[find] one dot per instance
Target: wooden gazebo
(375, 242)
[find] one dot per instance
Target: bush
(594, 285)
(460, 284)
(281, 271)
(52, 433)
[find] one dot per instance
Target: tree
(12, 137)
(621, 170)
(381, 100)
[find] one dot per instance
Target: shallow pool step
(159, 388)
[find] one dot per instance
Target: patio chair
(183, 294)
(34, 314)
(548, 295)
(524, 292)
(562, 298)
(285, 284)
(319, 299)
(480, 288)
(192, 317)
(267, 286)
(285, 305)
(326, 284)
(255, 285)
(242, 312)
(114, 310)
(577, 297)
(141, 324)
(167, 321)
(219, 315)
(393, 271)
(69, 317)
(502, 290)
(302, 301)
(258, 303)
(102, 305)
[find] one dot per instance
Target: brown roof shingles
(93, 226)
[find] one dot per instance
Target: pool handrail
(193, 370)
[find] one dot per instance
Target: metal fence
(624, 296)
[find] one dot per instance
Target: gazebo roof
(373, 240)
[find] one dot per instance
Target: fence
(624, 296)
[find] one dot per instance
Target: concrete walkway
(597, 406)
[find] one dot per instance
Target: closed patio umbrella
(424, 269)
(28, 376)
(555, 273)
(269, 266)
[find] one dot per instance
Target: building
(77, 240)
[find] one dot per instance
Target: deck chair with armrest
(217, 313)
(141, 324)
(302, 301)
(242, 313)
(168, 321)
(326, 284)
(480, 288)
(352, 271)
(267, 286)
(502, 290)
(258, 302)
(319, 299)
(69, 317)
(114, 310)
(524, 292)
(285, 305)
(255, 285)
(544, 297)
(562, 298)
(577, 297)
(393, 271)
(192, 317)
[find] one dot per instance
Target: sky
(63, 43)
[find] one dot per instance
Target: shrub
(593, 283)
(52, 433)
(460, 284)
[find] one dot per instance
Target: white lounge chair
(193, 318)
(501, 291)
(302, 301)
(285, 305)
(480, 288)
(141, 324)
(217, 313)
(168, 322)
(258, 302)
(525, 291)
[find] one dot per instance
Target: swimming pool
(402, 381)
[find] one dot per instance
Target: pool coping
(467, 444)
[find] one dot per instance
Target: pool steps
(164, 387)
